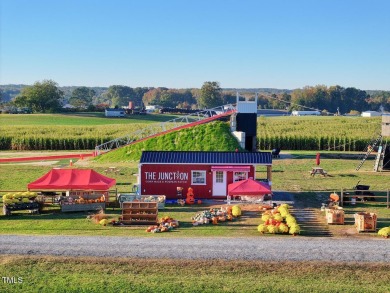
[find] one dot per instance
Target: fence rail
(353, 196)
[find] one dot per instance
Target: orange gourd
(222, 218)
(229, 210)
(190, 196)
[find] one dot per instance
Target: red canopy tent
(248, 187)
(72, 179)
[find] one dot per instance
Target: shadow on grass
(52, 215)
(306, 199)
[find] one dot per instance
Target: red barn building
(208, 173)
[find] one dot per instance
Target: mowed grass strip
(77, 119)
(87, 274)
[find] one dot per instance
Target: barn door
(219, 183)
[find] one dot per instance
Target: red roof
(248, 187)
(72, 179)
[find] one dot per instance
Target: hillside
(213, 136)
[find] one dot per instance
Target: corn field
(288, 133)
(61, 137)
(317, 133)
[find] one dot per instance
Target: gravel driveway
(265, 248)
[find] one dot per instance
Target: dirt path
(252, 248)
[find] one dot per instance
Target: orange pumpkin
(190, 200)
(214, 220)
(199, 201)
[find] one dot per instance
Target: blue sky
(181, 44)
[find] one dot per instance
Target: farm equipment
(361, 191)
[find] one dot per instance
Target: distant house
(151, 108)
(110, 112)
(371, 114)
(305, 113)
(68, 106)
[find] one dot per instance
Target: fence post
(388, 198)
(341, 197)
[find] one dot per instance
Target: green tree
(355, 99)
(119, 95)
(211, 95)
(152, 97)
(82, 97)
(229, 98)
(379, 99)
(335, 100)
(138, 95)
(169, 98)
(41, 97)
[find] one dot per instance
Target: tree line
(333, 99)
(47, 96)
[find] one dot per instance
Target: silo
(386, 125)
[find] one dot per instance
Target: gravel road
(266, 248)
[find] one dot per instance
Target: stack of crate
(335, 215)
(365, 222)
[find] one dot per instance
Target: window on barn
(219, 177)
(198, 177)
(238, 176)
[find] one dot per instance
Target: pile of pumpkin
(279, 220)
(384, 232)
(215, 215)
(19, 197)
(167, 224)
(86, 201)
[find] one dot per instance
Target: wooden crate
(365, 222)
(335, 216)
(160, 199)
(128, 197)
(139, 213)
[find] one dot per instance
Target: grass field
(77, 119)
(83, 274)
